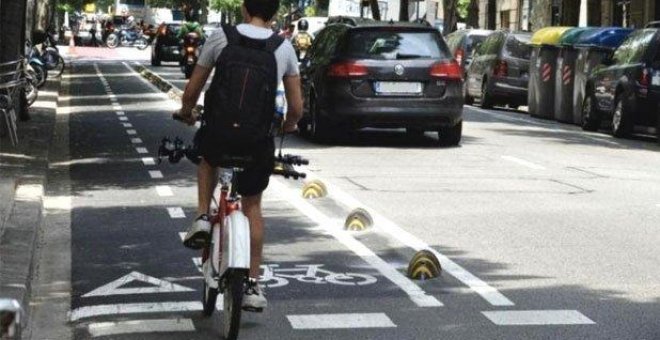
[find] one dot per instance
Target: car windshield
(472, 41)
(393, 45)
(517, 46)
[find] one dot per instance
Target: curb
(170, 90)
(20, 228)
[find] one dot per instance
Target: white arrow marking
(160, 286)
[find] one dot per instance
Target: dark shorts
(253, 180)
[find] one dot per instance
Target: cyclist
(191, 25)
(253, 180)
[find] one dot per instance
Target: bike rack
(10, 83)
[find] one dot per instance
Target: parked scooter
(51, 57)
(38, 66)
(126, 37)
(190, 52)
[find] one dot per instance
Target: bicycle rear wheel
(233, 301)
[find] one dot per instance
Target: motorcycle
(51, 57)
(190, 50)
(40, 72)
(126, 37)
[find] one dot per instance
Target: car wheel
(486, 100)
(620, 118)
(319, 130)
(112, 41)
(450, 135)
(141, 43)
(468, 99)
(590, 118)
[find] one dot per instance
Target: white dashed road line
(164, 191)
(127, 125)
(523, 162)
(123, 118)
(537, 317)
(339, 321)
(155, 174)
(136, 140)
(148, 161)
(141, 150)
(131, 132)
(100, 329)
(176, 212)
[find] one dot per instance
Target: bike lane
(133, 279)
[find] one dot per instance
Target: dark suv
(383, 75)
(499, 71)
(166, 46)
(462, 43)
(626, 91)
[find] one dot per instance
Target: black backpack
(240, 103)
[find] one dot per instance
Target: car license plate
(398, 87)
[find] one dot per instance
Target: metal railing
(12, 81)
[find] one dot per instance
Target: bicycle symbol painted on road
(274, 277)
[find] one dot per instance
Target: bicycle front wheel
(59, 67)
(233, 301)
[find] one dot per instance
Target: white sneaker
(254, 299)
(199, 234)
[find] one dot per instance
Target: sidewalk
(22, 180)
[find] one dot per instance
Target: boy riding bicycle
(250, 61)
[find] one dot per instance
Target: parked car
(383, 75)
(462, 45)
(499, 71)
(166, 46)
(626, 90)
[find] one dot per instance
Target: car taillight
(459, 56)
(190, 49)
(446, 70)
(501, 68)
(347, 70)
(644, 80)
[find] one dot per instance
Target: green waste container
(542, 65)
(565, 73)
(594, 47)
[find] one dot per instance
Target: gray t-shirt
(287, 62)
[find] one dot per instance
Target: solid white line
(134, 308)
(123, 118)
(141, 150)
(338, 321)
(176, 212)
(382, 223)
(148, 161)
(334, 228)
(537, 317)
(127, 125)
(131, 132)
(164, 191)
(99, 329)
(136, 140)
(155, 174)
(523, 162)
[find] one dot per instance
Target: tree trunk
(451, 15)
(472, 19)
(541, 14)
(375, 10)
(403, 11)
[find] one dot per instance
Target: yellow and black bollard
(358, 220)
(314, 189)
(424, 265)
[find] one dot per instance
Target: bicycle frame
(230, 246)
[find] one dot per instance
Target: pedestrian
(252, 50)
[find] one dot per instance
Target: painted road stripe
(116, 107)
(99, 329)
(131, 132)
(123, 118)
(176, 212)
(136, 140)
(127, 125)
(121, 113)
(164, 191)
(382, 223)
(336, 321)
(148, 161)
(334, 228)
(155, 174)
(157, 286)
(142, 150)
(537, 317)
(136, 308)
(523, 162)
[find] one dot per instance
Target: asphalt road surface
(543, 231)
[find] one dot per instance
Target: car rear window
(517, 46)
(395, 45)
(472, 41)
